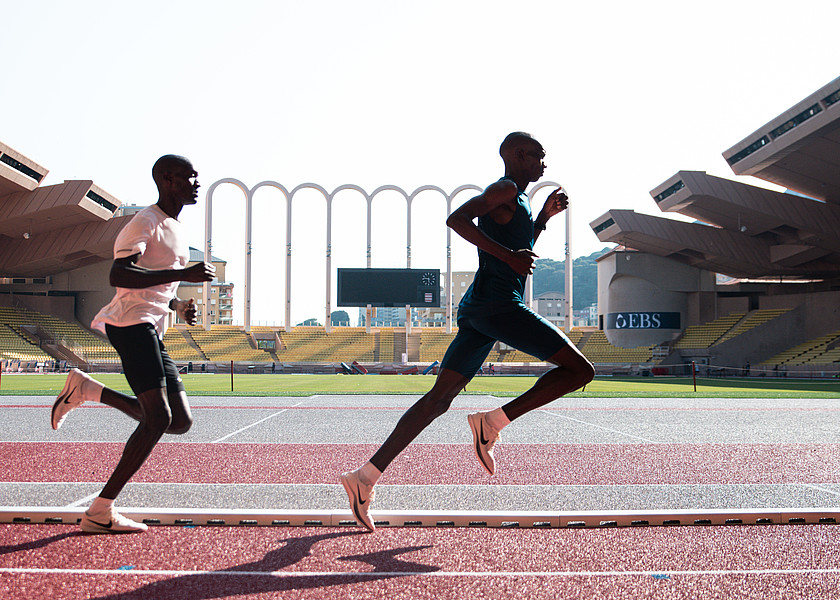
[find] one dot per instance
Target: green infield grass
(307, 385)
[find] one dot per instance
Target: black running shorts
(145, 362)
(520, 327)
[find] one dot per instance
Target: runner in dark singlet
(491, 310)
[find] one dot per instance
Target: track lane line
(264, 419)
(819, 488)
(447, 574)
(84, 500)
(624, 433)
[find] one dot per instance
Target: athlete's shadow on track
(224, 583)
(36, 544)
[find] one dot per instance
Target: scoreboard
(389, 287)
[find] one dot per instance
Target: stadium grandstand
(755, 279)
(752, 285)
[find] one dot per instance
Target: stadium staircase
(823, 350)
(54, 338)
(707, 334)
(753, 319)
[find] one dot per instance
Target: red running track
(759, 562)
(549, 464)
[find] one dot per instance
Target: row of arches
(329, 197)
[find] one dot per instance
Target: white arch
(208, 230)
(448, 287)
(328, 197)
(569, 262)
(249, 218)
(409, 200)
(341, 188)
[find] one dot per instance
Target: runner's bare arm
(126, 273)
(497, 201)
(556, 203)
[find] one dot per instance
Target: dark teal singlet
(498, 288)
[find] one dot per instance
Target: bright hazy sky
(622, 95)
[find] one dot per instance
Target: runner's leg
(177, 398)
(573, 372)
(122, 402)
(157, 417)
(428, 408)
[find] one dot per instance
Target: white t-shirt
(157, 238)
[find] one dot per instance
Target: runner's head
(176, 179)
(523, 154)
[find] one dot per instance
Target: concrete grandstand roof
(59, 250)
(47, 230)
(786, 221)
(18, 173)
(55, 207)
(799, 149)
(751, 231)
(702, 246)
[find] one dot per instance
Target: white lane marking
(84, 500)
(384, 574)
(279, 412)
(822, 489)
(624, 433)
(479, 486)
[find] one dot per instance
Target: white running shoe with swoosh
(485, 437)
(110, 521)
(72, 395)
(361, 496)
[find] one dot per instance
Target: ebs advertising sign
(643, 320)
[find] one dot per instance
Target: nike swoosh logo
(70, 393)
(359, 495)
(481, 436)
(107, 525)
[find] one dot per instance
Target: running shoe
(71, 396)
(361, 496)
(110, 521)
(485, 437)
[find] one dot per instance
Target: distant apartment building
(220, 302)
(552, 306)
(436, 317)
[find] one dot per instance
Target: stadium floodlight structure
(328, 197)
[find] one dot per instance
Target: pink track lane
(557, 409)
(674, 563)
(430, 464)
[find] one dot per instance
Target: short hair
(168, 163)
(515, 140)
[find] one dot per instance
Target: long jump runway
(593, 498)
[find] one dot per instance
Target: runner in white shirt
(150, 256)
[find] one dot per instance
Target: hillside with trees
(550, 276)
